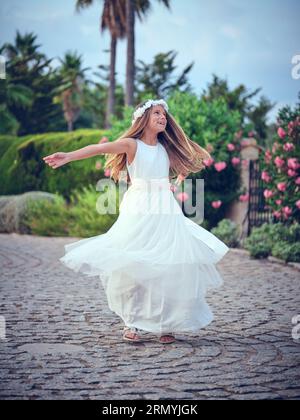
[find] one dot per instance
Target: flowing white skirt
(155, 268)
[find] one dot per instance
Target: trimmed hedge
(22, 168)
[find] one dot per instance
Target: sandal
(130, 334)
(167, 339)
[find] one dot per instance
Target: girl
(155, 266)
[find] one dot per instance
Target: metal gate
(257, 213)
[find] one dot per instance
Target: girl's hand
(179, 179)
(57, 159)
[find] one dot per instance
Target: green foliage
(23, 169)
(228, 232)
(157, 79)
(259, 243)
(78, 218)
(277, 239)
(211, 125)
(254, 117)
(48, 218)
(29, 89)
(286, 251)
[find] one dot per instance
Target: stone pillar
(238, 211)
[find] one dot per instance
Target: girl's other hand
(179, 179)
(57, 159)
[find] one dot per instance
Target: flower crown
(141, 110)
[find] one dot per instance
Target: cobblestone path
(63, 342)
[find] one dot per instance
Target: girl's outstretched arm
(61, 158)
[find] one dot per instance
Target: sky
(251, 43)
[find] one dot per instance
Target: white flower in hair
(140, 111)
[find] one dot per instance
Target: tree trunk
(130, 69)
(70, 125)
(112, 82)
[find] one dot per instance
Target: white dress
(155, 264)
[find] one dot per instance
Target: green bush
(48, 218)
(289, 252)
(228, 232)
(279, 240)
(79, 218)
(259, 243)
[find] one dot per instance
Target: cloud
(89, 30)
(230, 31)
(178, 20)
(40, 15)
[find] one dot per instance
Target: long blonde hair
(185, 155)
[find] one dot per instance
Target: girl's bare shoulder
(131, 142)
(132, 148)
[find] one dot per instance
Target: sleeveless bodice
(149, 162)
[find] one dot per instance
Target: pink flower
(287, 211)
(268, 193)
(279, 162)
(245, 163)
(281, 186)
(298, 204)
(107, 172)
(220, 166)
(230, 147)
(173, 188)
(235, 161)
(288, 147)
(251, 134)
(293, 163)
(98, 165)
(265, 176)
(291, 126)
(281, 133)
(244, 198)
(297, 182)
(291, 173)
(278, 202)
(208, 162)
(216, 204)
(277, 214)
(182, 196)
(268, 156)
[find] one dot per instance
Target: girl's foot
(130, 334)
(167, 339)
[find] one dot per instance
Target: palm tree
(11, 95)
(114, 19)
(27, 70)
(141, 8)
(70, 92)
(118, 17)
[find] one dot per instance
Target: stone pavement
(63, 342)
